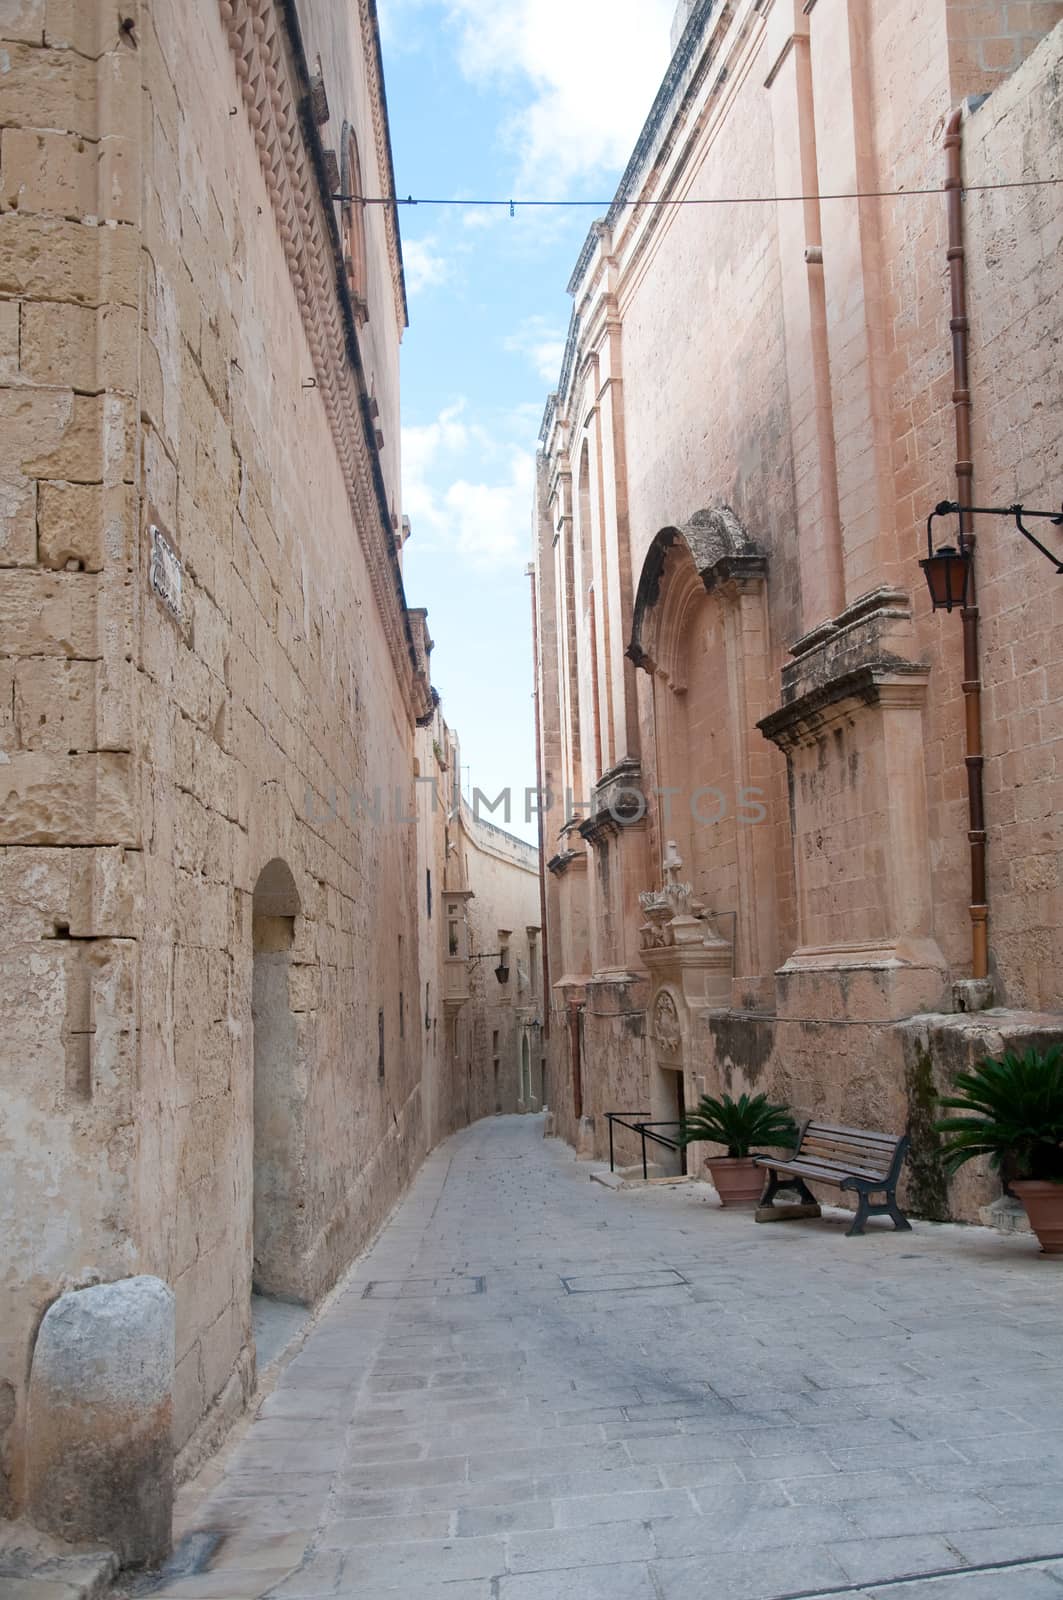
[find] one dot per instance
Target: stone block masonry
(730, 520)
(198, 975)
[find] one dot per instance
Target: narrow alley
(536, 1388)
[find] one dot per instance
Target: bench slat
(820, 1142)
(844, 1169)
(853, 1133)
(834, 1142)
(822, 1174)
(863, 1158)
(859, 1169)
(833, 1172)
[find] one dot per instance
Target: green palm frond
(739, 1124)
(1011, 1110)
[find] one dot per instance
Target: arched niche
(681, 564)
(699, 628)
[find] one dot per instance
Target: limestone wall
(753, 420)
(170, 359)
(438, 761)
(1016, 311)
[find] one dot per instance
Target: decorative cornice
(382, 140)
(674, 84)
(890, 684)
(619, 803)
(272, 101)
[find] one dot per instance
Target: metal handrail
(643, 1125)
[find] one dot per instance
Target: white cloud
(581, 75)
(487, 520)
(594, 67)
(480, 217)
(424, 267)
(542, 343)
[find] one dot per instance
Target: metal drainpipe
(544, 939)
(961, 405)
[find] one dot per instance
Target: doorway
(278, 1100)
(668, 1104)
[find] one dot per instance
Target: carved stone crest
(666, 1030)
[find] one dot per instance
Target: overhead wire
(514, 204)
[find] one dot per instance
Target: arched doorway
(525, 1074)
(278, 1095)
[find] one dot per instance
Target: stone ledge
(33, 1565)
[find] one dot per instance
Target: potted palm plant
(738, 1125)
(1011, 1110)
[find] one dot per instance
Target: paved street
(535, 1388)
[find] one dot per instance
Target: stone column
(100, 1419)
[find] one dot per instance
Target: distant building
(764, 857)
(481, 951)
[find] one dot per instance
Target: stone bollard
(585, 1139)
(99, 1423)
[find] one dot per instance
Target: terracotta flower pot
(1044, 1207)
(736, 1180)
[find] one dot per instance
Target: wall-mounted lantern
(948, 569)
(947, 572)
(502, 957)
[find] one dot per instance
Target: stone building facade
(481, 951)
(209, 682)
(761, 743)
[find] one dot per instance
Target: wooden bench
(848, 1158)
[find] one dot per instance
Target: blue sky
(534, 98)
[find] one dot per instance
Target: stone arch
(279, 1091)
(681, 563)
(700, 629)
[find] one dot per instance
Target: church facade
(804, 831)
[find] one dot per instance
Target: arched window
(353, 228)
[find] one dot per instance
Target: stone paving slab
(718, 1410)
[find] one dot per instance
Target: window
(428, 891)
(380, 1045)
(533, 960)
(353, 229)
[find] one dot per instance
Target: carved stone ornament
(270, 99)
(666, 1030)
(664, 906)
